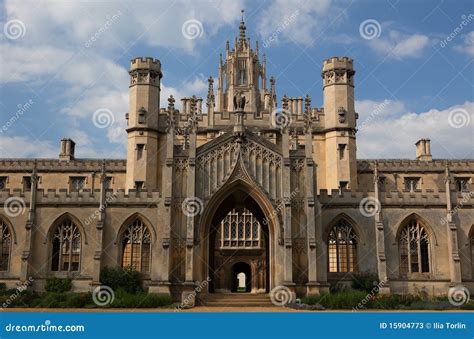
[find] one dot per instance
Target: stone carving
(239, 101)
(341, 113)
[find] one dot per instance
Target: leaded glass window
(5, 246)
(413, 248)
(66, 247)
(240, 230)
(342, 248)
(136, 246)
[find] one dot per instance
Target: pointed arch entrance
(228, 238)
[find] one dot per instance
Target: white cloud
(74, 44)
(468, 44)
(293, 20)
(400, 46)
(119, 25)
(370, 109)
(394, 136)
(23, 147)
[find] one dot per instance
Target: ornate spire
(242, 28)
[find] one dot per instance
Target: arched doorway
(241, 277)
(239, 232)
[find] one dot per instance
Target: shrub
(343, 300)
(337, 288)
(118, 278)
(58, 285)
(140, 300)
(365, 281)
(3, 287)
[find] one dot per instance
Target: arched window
(136, 246)
(66, 244)
(342, 247)
(240, 230)
(413, 247)
(5, 246)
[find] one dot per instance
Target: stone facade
(321, 213)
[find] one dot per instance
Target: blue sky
(60, 62)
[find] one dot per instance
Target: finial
(284, 102)
(242, 27)
(171, 102)
(446, 171)
(210, 91)
(103, 175)
(34, 174)
(307, 114)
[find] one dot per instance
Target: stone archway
(217, 267)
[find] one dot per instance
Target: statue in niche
(239, 101)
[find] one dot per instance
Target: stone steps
(235, 300)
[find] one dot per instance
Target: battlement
(338, 63)
(54, 165)
(145, 63)
(408, 165)
(394, 198)
(85, 197)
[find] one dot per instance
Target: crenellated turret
(340, 123)
(142, 123)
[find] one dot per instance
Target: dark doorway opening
(239, 271)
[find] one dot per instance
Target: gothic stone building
(241, 185)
